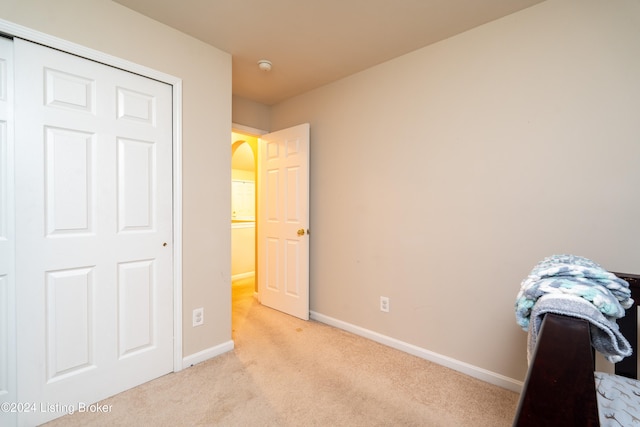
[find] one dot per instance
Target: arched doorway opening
(243, 206)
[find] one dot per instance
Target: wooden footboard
(560, 388)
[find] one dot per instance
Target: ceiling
(315, 42)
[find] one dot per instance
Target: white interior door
(283, 211)
(93, 188)
(7, 283)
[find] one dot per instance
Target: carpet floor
(285, 372)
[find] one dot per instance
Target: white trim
(467, 369)
(242, 276)
(207, 354)
(177, 225)
(19, 31)
(247, 130)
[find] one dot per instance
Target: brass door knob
(301, 232)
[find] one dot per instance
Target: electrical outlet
(384, 304)
(198, 316)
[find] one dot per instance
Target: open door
(283, 221)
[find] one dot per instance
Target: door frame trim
(19, 31)
(238, 128)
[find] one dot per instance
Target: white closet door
(93, 163)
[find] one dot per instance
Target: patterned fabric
(618, 400)
(573, 275)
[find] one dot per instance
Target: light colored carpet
(288, 372)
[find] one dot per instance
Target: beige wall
(206, 72)
(250, 113)
(439, 179)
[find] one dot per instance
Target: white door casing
(7, 283)
(93, 161)
(283, 224)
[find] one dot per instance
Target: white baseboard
(243, 275)
(207, 354)
(465, 368)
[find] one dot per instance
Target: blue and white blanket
(561, 276)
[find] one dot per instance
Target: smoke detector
(264, 65)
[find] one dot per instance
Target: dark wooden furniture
(560, 389)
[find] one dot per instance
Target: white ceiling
(315, 42)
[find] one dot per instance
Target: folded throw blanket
(605, 335)
(573, 275)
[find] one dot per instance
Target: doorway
(280, 216)
(244, 150)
